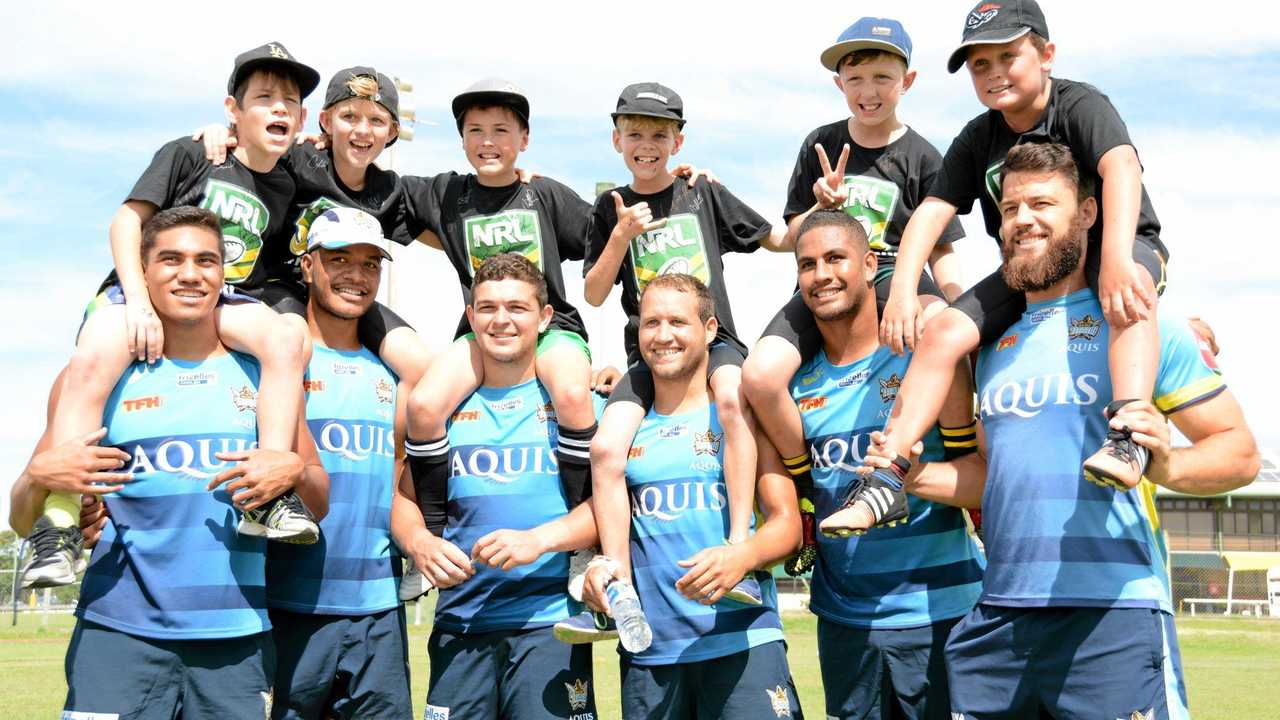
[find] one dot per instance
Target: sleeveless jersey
(907, 576)
(679, 506)
(503, 474)
(351, 405)
(170, 564)
(1052, 538)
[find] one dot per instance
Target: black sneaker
(877, 501)
(56, 556)
(1120, 463)
(285, 519)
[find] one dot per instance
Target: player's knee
(86, 376)
(573, 401)
(424, 408)
(289, 346)
(951, 334)
(762, 378)
(608, 457)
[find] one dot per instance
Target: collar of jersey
(1082, 295)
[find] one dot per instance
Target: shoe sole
(744, 598)
(38, 581)
(253, 529)
(842, 533)
(573, 636)
(410, 597)
(1102, 478)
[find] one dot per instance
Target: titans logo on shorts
(351, 406)
(908, 576)
(170, 564)
(679, 506)
(503, 474)
(1054, 539)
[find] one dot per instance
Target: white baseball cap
(342, 227)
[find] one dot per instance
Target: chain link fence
(1230, 575)
(16, 600)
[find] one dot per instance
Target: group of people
(281, 463)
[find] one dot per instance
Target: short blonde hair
(363, 86)
(646, 122)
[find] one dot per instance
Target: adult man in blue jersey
(1075, 618)
(172, 611)
(339, 629)
(885, 601)
(492, 651)
(711, 657)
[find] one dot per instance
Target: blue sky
(91, 91)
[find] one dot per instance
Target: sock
(429, 465)
(799, 468)
(959, 441)
(63, 509)
(574, 455)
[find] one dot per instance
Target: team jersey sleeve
(800, 188)
(959, 179)
(1093, 126)
(424, 203)
(1188, 373)
(599, 227)
(930, 166)
(738, 227)
(163, 180)
(572, 219)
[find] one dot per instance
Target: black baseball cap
(273, 54)
(491, 91)
(1001, 21)
(650, 99)
(387, 96)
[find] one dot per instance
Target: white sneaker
(285, 519)
(414, 584)
(56, 556)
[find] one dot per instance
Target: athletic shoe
(1120, 462)
(578, 562)
(586, 627)
(285, 519)
(414, 584)
(56, 556)
(802, 562)
(877, 501)
(747, 591)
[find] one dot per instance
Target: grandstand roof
(1266, 485)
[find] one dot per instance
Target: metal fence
(47, 600)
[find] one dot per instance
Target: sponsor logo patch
(636, 451)
(1043, 314)
(706, 443)
(435, 712)
(871, 202)
(507, 405)
(889, 388)
(854, 379)
(198, 377)
(677, 247)
(466, 416)
(244, 219)
(313, 386)
(811, 403)
(1006, 342)
(1085, 328)
(514, 231)
(142, 403)
(341, 368)
(672, 431)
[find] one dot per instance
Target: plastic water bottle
(633, 629)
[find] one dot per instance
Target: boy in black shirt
(1007, 51)
(882, 175)
(653, 226)
(251, 195)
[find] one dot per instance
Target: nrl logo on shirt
(578, 694)
(302, 226)
(889, 388)
(244, 219)
(778, 701)
(871, 202)
(706, 443)
(677, 247)
(514, 231)
(383, 390)
(245, 399)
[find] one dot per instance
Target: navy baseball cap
(273, 54)
(650, 99)
(869, 33)
(993, 23)
(387, 96)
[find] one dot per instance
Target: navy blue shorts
(885, 674)
(335, 666)
(1020, 663)
(116, 676)
(514, 675)
(751, 684)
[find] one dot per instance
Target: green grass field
(1229, 663)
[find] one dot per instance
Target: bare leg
(766, 376)
(565, 371)
(739, 449)
(282, 346)
(406, 354)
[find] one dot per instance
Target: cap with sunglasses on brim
(273, 55)
(995, 23)
(650, 99)
(869, 33)
(341, 227)
(491, 91)
(387, 96)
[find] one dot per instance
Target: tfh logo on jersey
(677, 247)
(143, 403)
(668, 502)
(244, 220)
(778, 701)
(809, 404)
(355, 441)
(707, 443)
(889, 388)
(1028, 398)
(514, 231)
(871, 202)
(982, 15)
(245, 399)
(193, 457)
(503, 464)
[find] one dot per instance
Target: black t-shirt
(703, 222)
(885, 185)
(1078, 116)
(543, 220)
(253, 206)
(318, 189)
